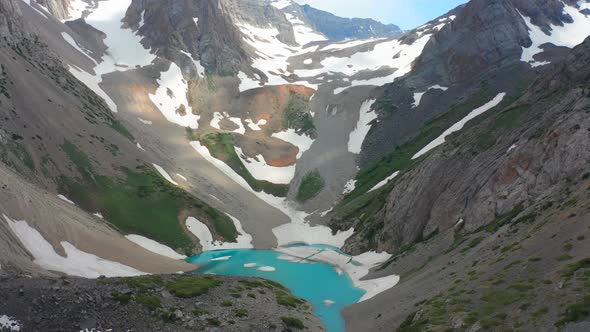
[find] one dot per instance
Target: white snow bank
(357, 136)
(202, 232)
(385, 181)
(9, 323)
(303, 142)
(198, 64)
(568, 35)
(75, 263)
(182, 177)
(144, 121)
(65, 199)
(165, 174)
(418, 95)
(349, 187)
(171, 95)
(260, 170)
(298, 231)
(280, 4)
(68, 38)
(125, 50)
(154, 246)
(459, 125)
(255, 126)
(357, 267)
(250, 265)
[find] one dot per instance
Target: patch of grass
(121, 129)
(121, 298)
(504, 219)
(187, 287)
(144, 283)
(473, 243)
(288, 300)
(221, 146)
(311, 185)
(501, 297)
(200, 312)
(542, 311)
(213, 322)
(296, 116)
(572, 268)
(142, 203)
(227, 303)
(149, 301)
(293, 322)
(576, 312)
(241, 313)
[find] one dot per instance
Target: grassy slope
(221, 146)
(310, 186)
(143, 203)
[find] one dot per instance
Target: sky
(407, 14)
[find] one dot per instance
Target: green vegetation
(227, 303)
(576, 312)
(118, 127)
(213, 321)
(296, 116)
(143, 203)
(241, 313)
(287, 300)
(121, 298)
(187, 287)
(311, 185)
(144, 283)
(149, 301)
(221, 146)
(293, 322)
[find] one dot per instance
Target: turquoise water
(313, 282)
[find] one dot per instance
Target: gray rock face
(10, 24)
(534, 150)
(340, 28)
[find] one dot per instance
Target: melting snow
(349, 187)
(165, 174)
(9, 323)
(568, 35)
(202, 232)
(171, 95)
(266, 269)
(260, 170)
(459, 125)
(357, 136)
(303, 142)
(357, 267)
(75, 263)
(65, 199)
(73, 43)
(255, 126)
(418, 95)
(385, 181)
(154, 246)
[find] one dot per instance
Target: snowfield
(385, 181)
(154, 246)
(202, 232)
(303, 142)
(171, 95)
(165, 174)
(75, 263)
(459, 125)
(9, 324)
(366, 117)
(418, 95)
(568, 35)
(260, 170)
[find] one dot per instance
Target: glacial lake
(316, 283)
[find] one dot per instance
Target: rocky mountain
(339, 28)
(453, 155)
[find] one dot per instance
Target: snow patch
(385, 181)
(349, 187)
(65, 199)
(568, 35)
(418, 95)
(165, 174)
(459, 125)
(250, 265)
(357, 136)
(75, 263)
(171, 95)
(68, 38)
(145, 122)
(303, 142)
(260, 170)
(202, 232)
(255, 126)
(9, 323)
(154, 246)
